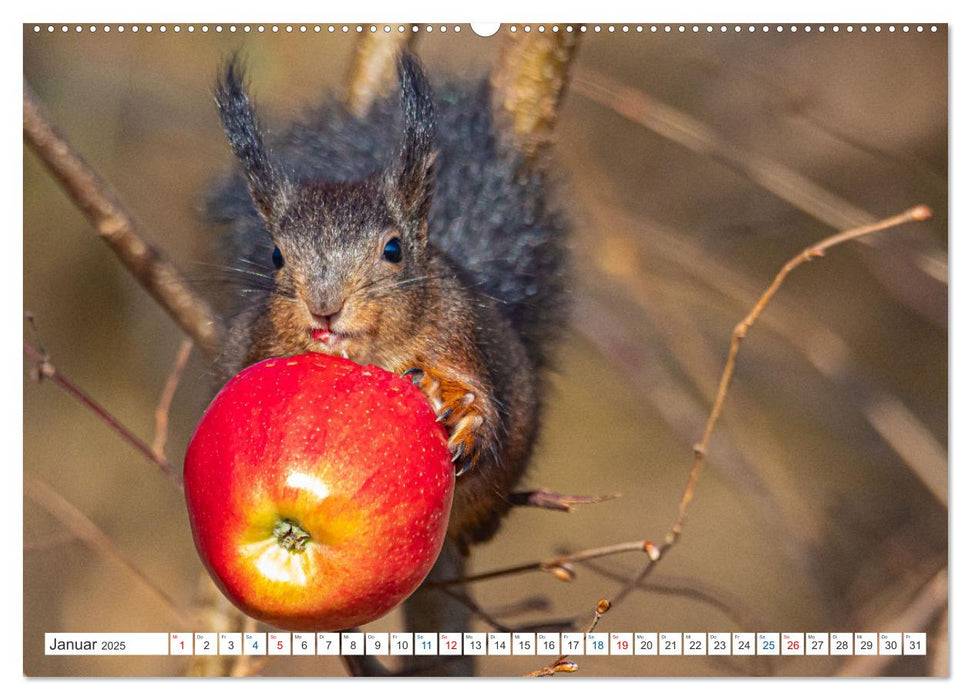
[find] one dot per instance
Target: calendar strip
(487, 644)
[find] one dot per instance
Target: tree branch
(165, 399)
(372, 70)
(83, 529)
(45, 370)
(528, 82)
(117, 227)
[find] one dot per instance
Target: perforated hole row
(444, 28)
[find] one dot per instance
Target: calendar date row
(490, 643)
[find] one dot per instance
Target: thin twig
(563, 624)
(46, 370)
(85, 530)
(684, 587)
(118, 228)
(558, 566)
(541, 498)
(563, 664)
(165, 400)
(662, 301)
(680, 409)
(918, 213)
(824, 349)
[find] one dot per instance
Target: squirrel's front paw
(463, 413)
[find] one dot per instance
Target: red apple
(318, 491)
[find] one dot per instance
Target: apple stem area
(290, 535)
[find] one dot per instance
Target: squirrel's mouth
(328, 336)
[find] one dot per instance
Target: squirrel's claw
(466, 434)
(459, 411)
(428, 385)
(457, 451)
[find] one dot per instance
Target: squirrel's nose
(325, 309)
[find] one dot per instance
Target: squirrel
(411, 239)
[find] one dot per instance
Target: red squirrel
(408, 238)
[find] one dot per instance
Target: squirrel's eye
(277, 258)
(392, 250)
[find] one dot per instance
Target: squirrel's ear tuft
(410, 180)
(242, 127)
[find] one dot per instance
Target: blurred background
(693, 166)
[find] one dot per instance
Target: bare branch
(528, 81)
(672, 124)
(541, 498)
(918, 213)
(83, 529)
(165, 400)
(558, 566)
(925, 270)
(117, 227)
(45, 370)
(371, 73)
(562, 664)
(684, 587)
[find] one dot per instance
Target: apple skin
(353, 456)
